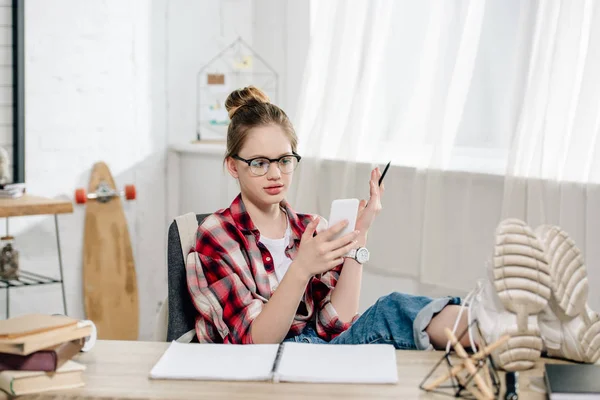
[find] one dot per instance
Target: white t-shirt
(277, 249)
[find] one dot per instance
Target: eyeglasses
(259, 166)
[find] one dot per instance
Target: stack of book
(12, 190)
(36, 353)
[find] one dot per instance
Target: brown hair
(248, 108)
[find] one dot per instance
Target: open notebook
(287, 362)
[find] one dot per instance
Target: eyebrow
(289, 153)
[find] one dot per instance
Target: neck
(267, 218)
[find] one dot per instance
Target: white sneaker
(509, 302)
(570, 329)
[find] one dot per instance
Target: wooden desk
(119, 370)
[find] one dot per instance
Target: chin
(276, 199)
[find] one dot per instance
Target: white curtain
(487, 108)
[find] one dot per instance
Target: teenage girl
(262, 273)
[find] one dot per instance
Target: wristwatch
(361, 255)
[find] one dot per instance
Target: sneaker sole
(570, 288)
(523, 284)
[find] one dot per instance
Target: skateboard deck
(109, 277)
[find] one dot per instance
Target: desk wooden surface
(119, 370)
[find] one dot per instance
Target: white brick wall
(89, 87)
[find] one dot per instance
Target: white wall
(278, 30)
(197, 31)
(281, 36)
(94, 91)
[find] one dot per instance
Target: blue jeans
(399, 319)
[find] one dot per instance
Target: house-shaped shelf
(235, 67)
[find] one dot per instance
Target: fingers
(374, 193)
(375, 190)
(343, 250)
(334, 263)
(321, 227)
(376, 176)
(362, 205)
(374, 182)
(361, 208)
(341, 242)
(334, 230)
(310, 229)
(381, 187)
(334, 251)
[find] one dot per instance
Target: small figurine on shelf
(9, 259)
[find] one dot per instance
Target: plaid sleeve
(328, 324)
(220, 297)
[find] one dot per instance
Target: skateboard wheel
(130, 192)
(80, 196)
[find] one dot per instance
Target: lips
(274, 190)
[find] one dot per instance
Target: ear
(232, 167)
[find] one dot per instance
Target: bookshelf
(34, 205)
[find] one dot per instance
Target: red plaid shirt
(230, 276)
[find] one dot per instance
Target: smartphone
(344, 209)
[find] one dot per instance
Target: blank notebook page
(328, 363)
(216, 362)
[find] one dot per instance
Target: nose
(273, 173)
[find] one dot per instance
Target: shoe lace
(467, 304)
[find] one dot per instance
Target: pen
(384, 172)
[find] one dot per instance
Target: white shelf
(210, 148)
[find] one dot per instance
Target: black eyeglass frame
(271, 160)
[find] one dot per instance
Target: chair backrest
(182, 313)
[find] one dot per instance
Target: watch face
(362, 255)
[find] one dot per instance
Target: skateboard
(109, 278)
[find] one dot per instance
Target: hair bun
(242, 97)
